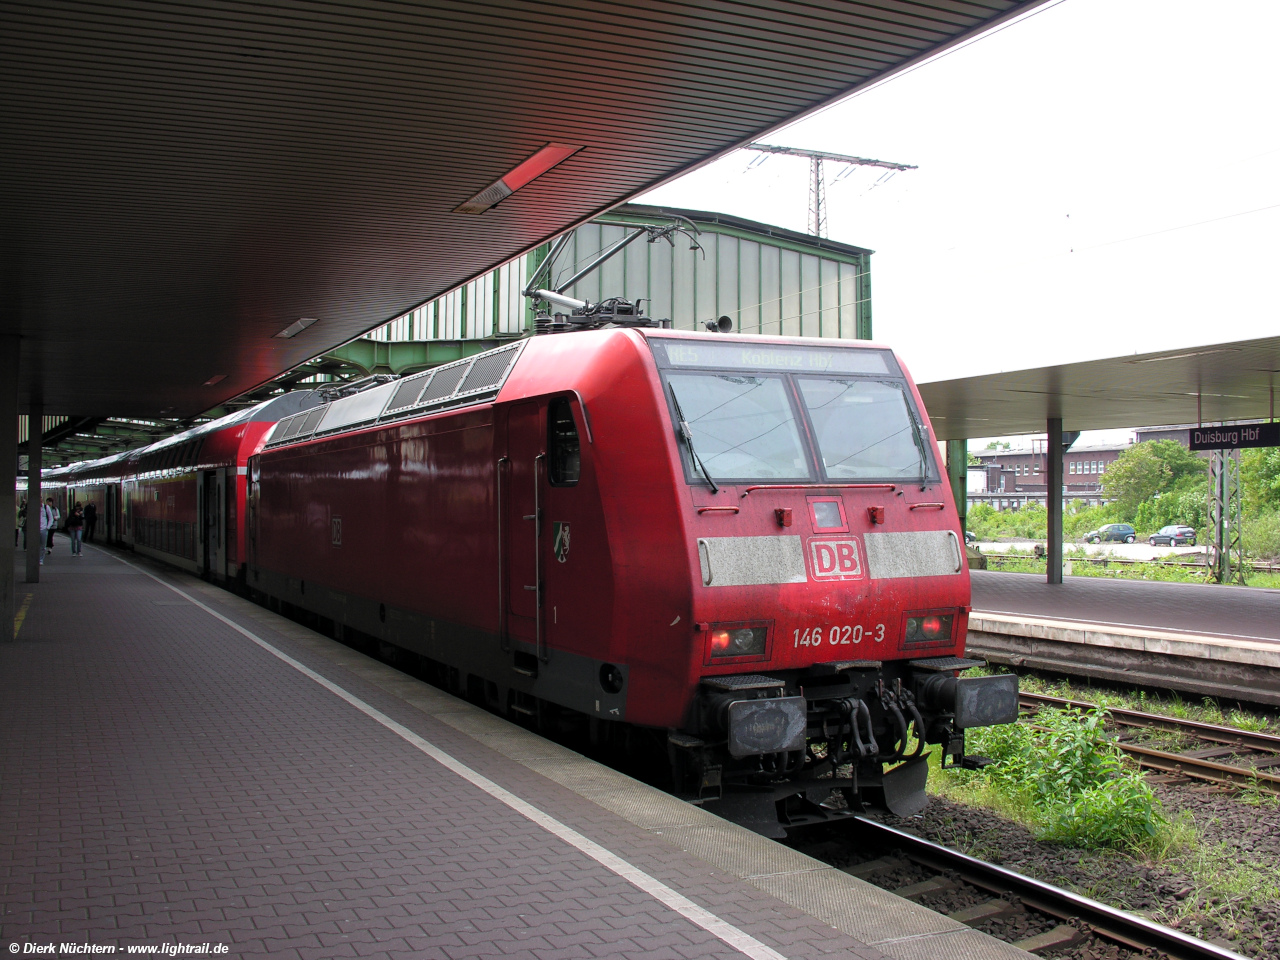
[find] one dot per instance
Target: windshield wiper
(917, 434)
(687, 435)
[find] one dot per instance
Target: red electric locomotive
(745, 543)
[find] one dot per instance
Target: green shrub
(1121, 812)
(1262, 534)
(1069, 772)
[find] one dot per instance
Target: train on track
(742, 547)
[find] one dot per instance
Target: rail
(1133, 931)
(1229, 739)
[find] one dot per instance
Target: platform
(1205, 639)
(183, 767)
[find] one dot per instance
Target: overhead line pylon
(817, 186)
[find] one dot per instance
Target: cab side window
(565, 455)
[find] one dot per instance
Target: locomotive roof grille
(486, 372)
(407, 393)
(463, 382)
(443, 384)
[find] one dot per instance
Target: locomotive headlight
(925, 628)
(737, 642)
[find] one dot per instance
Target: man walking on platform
(90, 521)
(48, 523)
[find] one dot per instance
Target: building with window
(1017, 477)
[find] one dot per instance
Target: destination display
(1236, 437)
(737, 355)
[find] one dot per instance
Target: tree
(1260, 478)
(1147, 470)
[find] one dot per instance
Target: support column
(1053, 500)
(958, 471)
(35, 542)
(8, 474)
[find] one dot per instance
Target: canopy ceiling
(181, 182)
(1208, 384)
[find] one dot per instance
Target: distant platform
(1203, 639)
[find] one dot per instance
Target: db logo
(835, 559)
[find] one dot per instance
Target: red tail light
(727, 642)
(927, 628)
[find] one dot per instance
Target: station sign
(1236, 437)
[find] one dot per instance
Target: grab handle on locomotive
(539, 640)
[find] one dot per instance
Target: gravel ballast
(1234, 835)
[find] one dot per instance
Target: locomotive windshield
(751, 408)
(865, 429)
(742, 427)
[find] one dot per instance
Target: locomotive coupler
(858, 713)
(890, 704)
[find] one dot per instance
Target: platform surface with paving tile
(1201, 609)
(183, 767)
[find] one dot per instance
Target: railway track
(1198, 764)
(1077, 917)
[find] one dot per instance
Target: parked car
(1119, 532)
(1174, 536)
(970, 537)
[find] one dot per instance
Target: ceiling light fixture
(215, 380)
(518, 176)
(295, 328)
(1183, 356)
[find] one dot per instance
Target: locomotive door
(521, 523)
(541, 469)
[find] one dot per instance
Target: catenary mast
(817, 186)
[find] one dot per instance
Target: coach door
(520, 479)
(107, 516)
(211, 508)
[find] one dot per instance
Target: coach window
(565, 457)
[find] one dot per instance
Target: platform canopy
(181, 182)
(1206, 384)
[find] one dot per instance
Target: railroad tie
(988, 910)
(864, 870)
(1062, 935)
(924, 888)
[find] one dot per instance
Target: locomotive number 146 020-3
(838, 635)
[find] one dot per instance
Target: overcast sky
(1100, 178)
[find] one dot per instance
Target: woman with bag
(75, 528)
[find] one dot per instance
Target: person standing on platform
(48, 521)
(22, 524)
(54, 517)
(75, 527)
(90, 520)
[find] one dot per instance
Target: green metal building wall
(766, 279)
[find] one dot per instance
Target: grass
(1216, 890)
(1224, 886)
(1063, 778)
(1218, 887)
(1204, 710)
